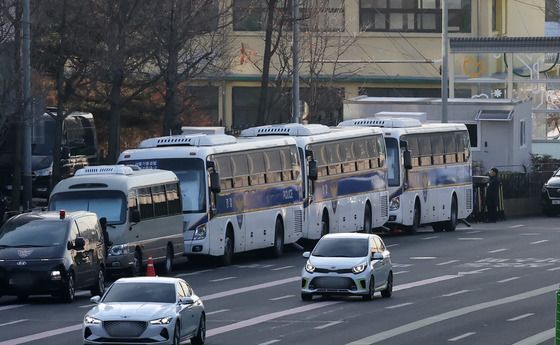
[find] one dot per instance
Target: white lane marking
(13, 306)
(192, 273)
(328, 325)
(553, 269)
(430, 237)
(497, 250)
(517, 226)
(398, 305)
(538, 242)
(42, 335)
(507, 280)
(272, 316)
(473, 232)
(282, 268)
(517, 318)
(475, 271)
(455, 293)
(217, 311)
(268, 266)
(462, 336)
(12, 322)
(250, 288)
(87, 306)
(381, 336)
(447, 262)
(530, 234)
(281, 297)
(423, 258)
(392, 245)
(400, 272)
(470, 238)
(221, 279)
(273, 341)
(538, 338)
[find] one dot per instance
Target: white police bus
(430, 171)
(142, 209)
(238, 195)
(345, 188)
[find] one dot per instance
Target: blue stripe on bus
(439, 177)
(349, 185)
(253, 200)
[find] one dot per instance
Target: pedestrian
(103, 224)
(493, 196)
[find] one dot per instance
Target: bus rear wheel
(367, 220)
(227, 258)
(416, 216)
(451, 224)
(324, 223)
(278, 249)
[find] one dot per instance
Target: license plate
(555, 202)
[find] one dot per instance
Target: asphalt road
(488, 284)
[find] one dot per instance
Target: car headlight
(55, 275)
(200, 232)
(395, 203)
(162, 321)
(91, 320)
(43, 172)
(309, 267)
(359, 268)
(543, 188)
(120, 249)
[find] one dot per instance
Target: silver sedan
(153, 310)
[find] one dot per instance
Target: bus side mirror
(215, 182)
(407, 160)
(313, 170)
(135, 216)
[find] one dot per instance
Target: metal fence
(520, 185)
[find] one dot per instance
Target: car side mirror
(95, 299)
(306, 255)
(407, 158)
(215, 182)
(186, 300)
(313, 173)
(79, 243)
(377, 256)
(135, 216)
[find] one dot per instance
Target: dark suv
(551, 195)
(52, 253)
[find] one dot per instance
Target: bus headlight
(395, 203)
(120, 249)
(200, 232)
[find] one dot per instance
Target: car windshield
(341, 247)
(33, 232)
(190, 172)
(393, 162)
(106, 203)
(141, 292)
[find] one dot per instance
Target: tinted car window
(341, 247)
(379, 244)
(34, 232)
(186, 288)
(141, 292)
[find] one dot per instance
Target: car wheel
(201, 334)
(306, 297)
(389, 289)
(278, 248)
(99, 288)
(371, 290)
(168, 263)
(68, 291)
(367, 220)
(177, 334)
(227, 258)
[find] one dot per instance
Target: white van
(142, 208)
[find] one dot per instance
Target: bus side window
(146, 203)
(295, 163)
(240, 170)
(173, 201)
(381, 150)
(450, 148)
(459, 136)
(160, 203)
(225, 169)
(132, 202)
(412, 141)
(438, 150)
(273, 166)
(425, 146)
(347, 155)
(256, 168)
(361, 154)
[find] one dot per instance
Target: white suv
(347, 264)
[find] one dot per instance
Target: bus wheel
(325, 223)
(278, 248)
(136, 268)
(367, 219)
(168, 263)
(415, 219)
(451, 224)
(227, 258)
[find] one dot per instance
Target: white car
(146, 310)
(347, 264)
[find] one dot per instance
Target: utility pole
(27, 99)
(295, 62)
(445, 62)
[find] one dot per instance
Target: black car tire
(371, 290)
(98, 289)
(177, 334)
(200, 336)
(388, 292)
(68, 291)
(306, 297)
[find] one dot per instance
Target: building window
(322, 15)
(249, 15)
(413, 15)
(473, 134)
(522, 133)
(494, 15)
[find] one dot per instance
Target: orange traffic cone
(150, 271)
